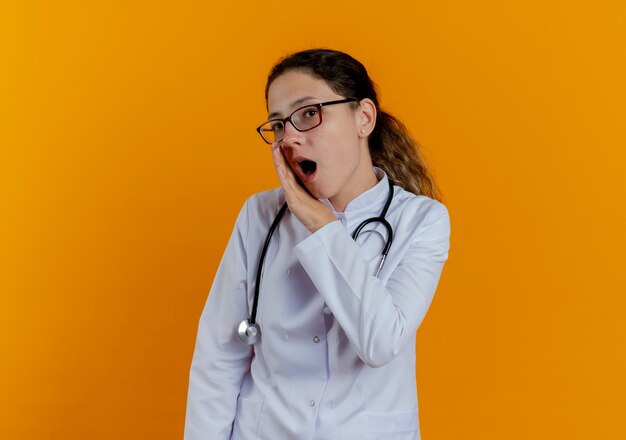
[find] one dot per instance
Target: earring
(362, 131)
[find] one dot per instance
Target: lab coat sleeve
(378, 318)
(220, 360)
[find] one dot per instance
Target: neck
(367, 181)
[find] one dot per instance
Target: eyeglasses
(303, 119)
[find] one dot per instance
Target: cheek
(337, 146)
(346, 153)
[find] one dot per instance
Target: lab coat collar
(369, 199)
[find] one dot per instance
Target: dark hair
(391, 146)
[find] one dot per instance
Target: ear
(366, 119)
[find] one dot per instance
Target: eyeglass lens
(302, 119)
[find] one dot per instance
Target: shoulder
(420, 213)
(268, 201)
(257, 213)
(261, 207)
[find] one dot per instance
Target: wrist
(325, 219)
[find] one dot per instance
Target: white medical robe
(336, 358)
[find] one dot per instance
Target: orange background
(127, 147)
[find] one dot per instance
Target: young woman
(325, 349)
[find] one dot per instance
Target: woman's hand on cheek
(312, 213)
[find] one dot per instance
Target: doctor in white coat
(335, 359)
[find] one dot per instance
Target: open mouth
(307, 167)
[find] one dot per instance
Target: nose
(291, 135)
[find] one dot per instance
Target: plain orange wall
(127, 147)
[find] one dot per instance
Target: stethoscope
(249, 330)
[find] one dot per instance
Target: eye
(309, 112)
(276, 126)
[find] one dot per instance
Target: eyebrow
(293, 104)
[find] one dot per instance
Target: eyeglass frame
(319, 106)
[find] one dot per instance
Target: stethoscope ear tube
(385, 223)
(389, 238)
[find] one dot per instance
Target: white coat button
(316, 339)
(327, 310)
(312, 403)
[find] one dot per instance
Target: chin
(321, 193)
(318, 193)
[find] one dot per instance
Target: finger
(287, 176)
(279, 162)
(275, 158)
(291, 177)
(282, 167)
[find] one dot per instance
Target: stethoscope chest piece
(249, 333)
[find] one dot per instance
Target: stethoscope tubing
(259, 272)
(249, 331)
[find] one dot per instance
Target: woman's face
(338, 149)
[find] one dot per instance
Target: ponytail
(394, 150)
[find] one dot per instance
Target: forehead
(293, 86)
